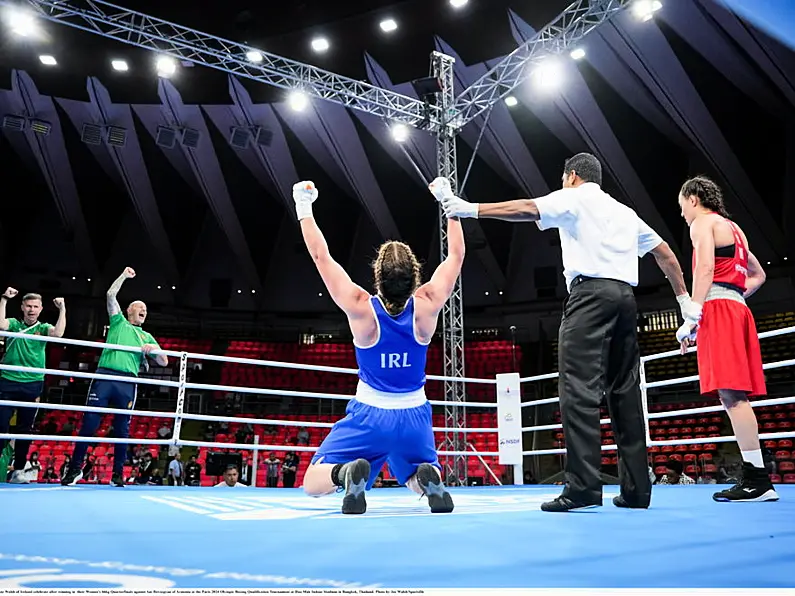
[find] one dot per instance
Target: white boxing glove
(304, 194)
(690, 310)
(441, 189)
(688, 330)
(456, 207)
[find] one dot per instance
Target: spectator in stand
(24, 386)
(133, 478)
(193, 472)
(64, 466)
(272, 471)
(32, 468)
(379, 481)
(68, 428)
(230, 478)
(289, 469)
(49, 428)
(156, 479)
(146, 468)
(50, 475)
(674, 474)
(303, 436)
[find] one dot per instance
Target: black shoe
(117, 479)
(354, 476)
(563, 504)
(754, 486)
(72, 477)
(430, 481)
(620, 501)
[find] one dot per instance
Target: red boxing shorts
(728, 353)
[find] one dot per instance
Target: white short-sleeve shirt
(599, 236)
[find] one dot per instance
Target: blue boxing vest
(396, 363)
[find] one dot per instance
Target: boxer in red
(725, 273)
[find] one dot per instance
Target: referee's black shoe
(72, 477)
(563, 504)
(620, 501)
(755, 486)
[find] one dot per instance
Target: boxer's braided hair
(708, 193)
(397, 275)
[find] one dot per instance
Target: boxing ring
(158, 538)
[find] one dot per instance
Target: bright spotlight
(166, 66)
(48, 60)
(388, 25)
(320, 44)
(458, 3)
(21, 23)
(254, 56)
(547, 75)
(400, 132)
(511, 101)
(644, 9)
(578, 54)
(119, 65)
(298, 101)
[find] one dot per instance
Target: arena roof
(693, 90)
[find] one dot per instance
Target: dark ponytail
(708, 193)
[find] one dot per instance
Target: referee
(601, 240)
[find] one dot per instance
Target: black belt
(728, 286)
(581, 278)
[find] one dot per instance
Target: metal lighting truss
(453, 310)
(183, 43)
(565, 32)
(444, 118)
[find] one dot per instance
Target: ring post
(254, 462)
(183, 378)
(644, 398)
(509, 424)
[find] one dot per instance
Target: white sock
(754, 457)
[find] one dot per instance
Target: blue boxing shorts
(401, 437)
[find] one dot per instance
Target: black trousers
(599, 357)
(19, 391)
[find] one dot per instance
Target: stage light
(21, 22)
(645, 9)
(320, 44)
(388, 25)
(400, 132)
(158, 287)
(578, 54)
(119, 65)
(166, 66)
(298, 101)
(511, 101)
(254, 56)
(548, 74)
(48, 60)
(458, 3)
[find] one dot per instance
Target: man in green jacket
(124, 331)
(24, 386)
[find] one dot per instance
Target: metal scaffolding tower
(444, 118)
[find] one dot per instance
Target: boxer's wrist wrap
(335, 475)
(303, 210)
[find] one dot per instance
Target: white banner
(509, 419)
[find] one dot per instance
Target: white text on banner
(509, 419)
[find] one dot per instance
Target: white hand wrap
(690, 310)
(304, 194)
(688, 330)
(455, 207)
(440, 188)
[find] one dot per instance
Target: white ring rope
(230, 359)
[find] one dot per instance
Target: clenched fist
(129, 272)
(59, 303)
(10, 293)
(304, 194)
